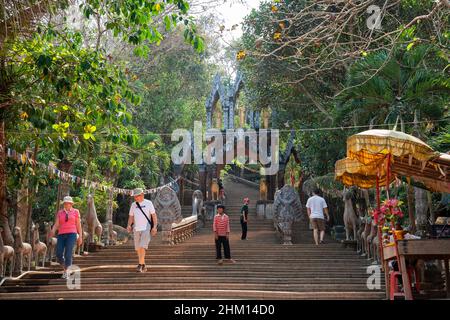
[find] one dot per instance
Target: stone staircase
(264, 268)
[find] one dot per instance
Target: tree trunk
(31, 199)
(63, 186)
(7, 235)
(410, 200)
(23, 209)
(421, 211)
(31, 194)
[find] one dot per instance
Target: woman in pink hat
(68, 225)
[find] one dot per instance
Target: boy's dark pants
(222, 240)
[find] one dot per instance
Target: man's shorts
(141, 239)
(318, 224)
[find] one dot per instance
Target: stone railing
(183, 230)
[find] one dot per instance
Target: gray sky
(233, 13)
(229, 14)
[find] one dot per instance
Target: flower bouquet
(391, 211)
(388, 213)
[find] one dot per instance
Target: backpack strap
(149, 220)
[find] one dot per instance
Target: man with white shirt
(316, 207)
(142, 212)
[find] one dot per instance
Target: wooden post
(386, 276)
(405, 277)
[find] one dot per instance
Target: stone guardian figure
(168, 210)
(287, 210)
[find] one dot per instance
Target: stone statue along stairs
(265, 269)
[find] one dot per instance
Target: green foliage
(407, 82)
(173, 85)
(69, 91)
(134, 21)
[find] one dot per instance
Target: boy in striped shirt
(221, 227)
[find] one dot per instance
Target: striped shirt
(221, 224)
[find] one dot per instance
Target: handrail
(183, 230)
(184, 222)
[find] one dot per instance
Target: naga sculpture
(39, 248)
(350, 218)
(94, 225)
(287, 210)
(6, 256)
(168, 210)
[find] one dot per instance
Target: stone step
(176, 275)
(178, 271)
(196, 294)
(167, 279)
(196, 286)
(243, 257)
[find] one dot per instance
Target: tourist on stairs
(244, 218)
(68, 225)
(221, 227)
(143, 216)
(316, 207)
